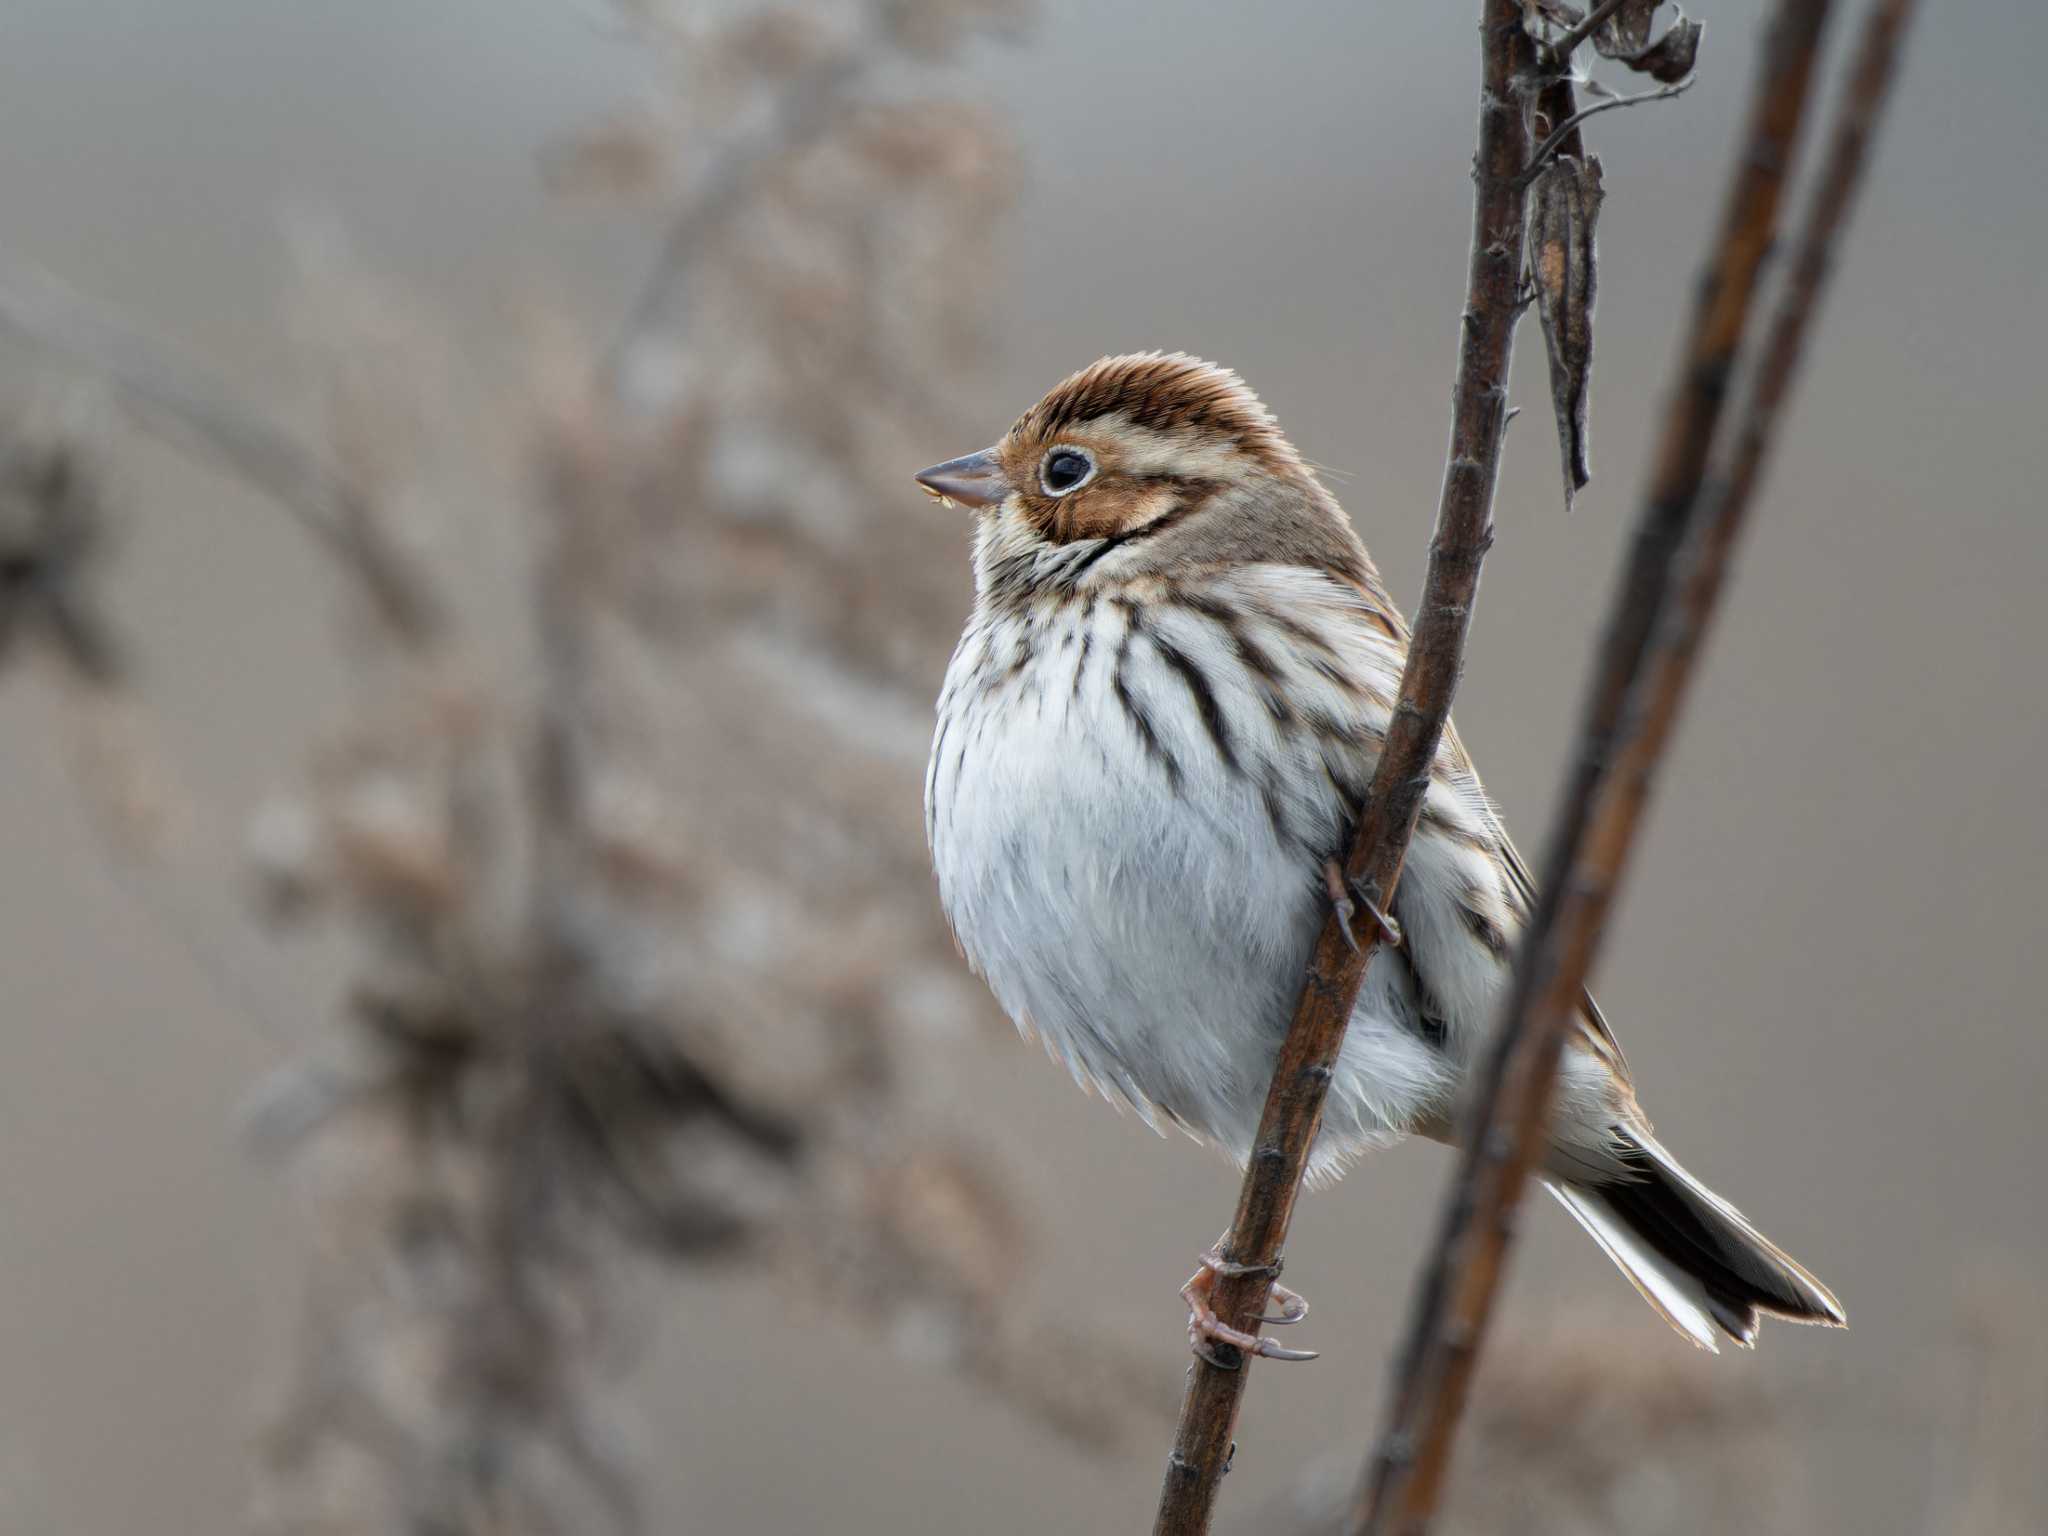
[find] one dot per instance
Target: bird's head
(1143, 465)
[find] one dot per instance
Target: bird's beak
(976, 480)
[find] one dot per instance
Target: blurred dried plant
(644, 963)
(1990, 1409)
(52, 545)
(639, 961)
(57, 536)
(1575, 1432)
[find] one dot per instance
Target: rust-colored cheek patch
(1104, 510)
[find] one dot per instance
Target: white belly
(1127, 892)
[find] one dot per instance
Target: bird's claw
(1390, 931)
(1347, 896)
(1293, 1306)
(1206, 1330)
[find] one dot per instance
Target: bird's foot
(1347, 896)
(1206, 1330)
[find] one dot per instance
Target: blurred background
(476, 1017)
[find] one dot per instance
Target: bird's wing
(1378, 608)
(1592, 1022)
(1594, 1032)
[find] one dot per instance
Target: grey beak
(975, 480)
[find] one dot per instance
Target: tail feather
(1694, 1257)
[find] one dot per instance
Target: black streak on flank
(1429, 1024)
(931, 780)
(1438, 824)
(1316, 650)
(1482, 927)
(1204, 696)
(1141, 722)
(1255, 658)
(1276, 813)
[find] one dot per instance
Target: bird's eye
(1065, 469)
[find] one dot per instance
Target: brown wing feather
(1593, 1034)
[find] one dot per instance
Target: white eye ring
(1062, 451)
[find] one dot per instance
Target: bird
(1152, 741)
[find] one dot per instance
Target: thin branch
(181, 401)
(1568, 129)
(1464, 531)
(1684, 536)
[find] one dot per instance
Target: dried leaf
(1627, 31)
(1565, 207)
(1669, 59)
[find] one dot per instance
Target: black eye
(1064, 469)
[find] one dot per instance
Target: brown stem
(1464, 531)
(1685, 534)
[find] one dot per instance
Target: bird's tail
(1695, 1258)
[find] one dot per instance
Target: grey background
(1826, 970)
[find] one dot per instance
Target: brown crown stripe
(1161, 393)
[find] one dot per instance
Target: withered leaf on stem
(1669, 59)
(1627, 31)
(1564, 208)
